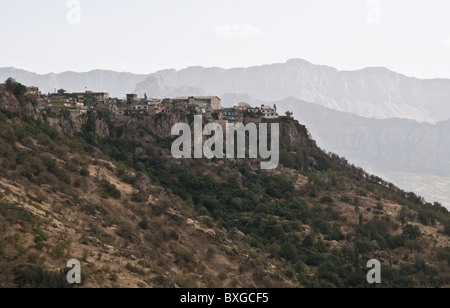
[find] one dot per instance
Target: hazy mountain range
(371, 92)
(117, 84)
(371, 116)
(411, 154)
(390, 145)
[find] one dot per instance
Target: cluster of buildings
(61, 100)
(209, 105)
(81, 102)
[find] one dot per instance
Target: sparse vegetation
(110, 190)
(317, 219)
(84, 172)
(36, 276)
(15, 87)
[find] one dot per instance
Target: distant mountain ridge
(115, 83)
(384, 145)
(370, 92)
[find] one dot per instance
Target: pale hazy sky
(408, 36)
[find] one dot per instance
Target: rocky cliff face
(24, 105)
(70, 125)
(160, 125)
(74, 124)
(390, 145)
(292, 130)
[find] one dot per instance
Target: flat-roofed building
(132, 98)
(206, 102)
(268, 112)
(100, 96)
(33, 91)
(140, 107)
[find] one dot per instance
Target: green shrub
(413, 232)
(134, 269)
(427, 217)
(36, 276)
(111, 190)
(222, 276)
(113, 277)
(143, 225)
(346, 199)
(447, 228)
(161, 207)
(40, 238)
(184, 258)
(84, 172)
(15, 87)
(364, 246)
(321, 225)
(61, 249)
(33, 258)
(18, 215)
(326, 199)
(77, 183)
(396, 241)
(308, 241)
(173, 235)
(186, 281)
(92, 209)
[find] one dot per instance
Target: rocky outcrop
(71, 125)
(8, 101)
(101, 128)
(293, 131)
(383, 146)
(74, 123)
(159, 125)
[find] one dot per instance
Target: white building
(268, 112)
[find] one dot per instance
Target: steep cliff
(23, 104)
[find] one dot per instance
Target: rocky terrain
(106, 191)
(383, 147)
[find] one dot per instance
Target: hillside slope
(390, 146)
(115, 199)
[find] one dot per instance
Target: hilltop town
(79, 103)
